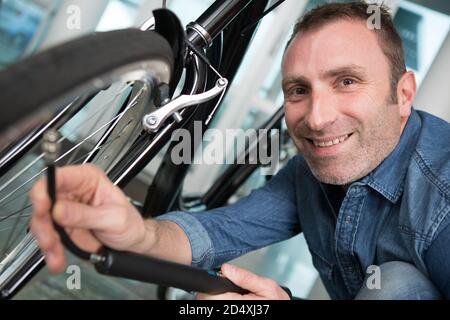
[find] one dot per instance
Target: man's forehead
(335, 45)
(342, 28)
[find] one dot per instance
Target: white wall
(434, 93)
(90, 14)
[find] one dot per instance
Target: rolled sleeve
(201, 244)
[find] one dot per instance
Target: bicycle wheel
(124, 65)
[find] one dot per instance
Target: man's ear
(406, 91)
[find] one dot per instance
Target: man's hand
(260, 288)
(91, 209)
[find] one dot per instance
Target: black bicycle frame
(233, 177)
(166, 186)
(215, 19)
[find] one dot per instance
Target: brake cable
(252, 24)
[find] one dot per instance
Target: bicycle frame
(163, 192)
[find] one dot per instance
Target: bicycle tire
(91, 57)
(71, 65)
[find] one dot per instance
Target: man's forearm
(165, 240)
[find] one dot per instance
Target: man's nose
(321, 112)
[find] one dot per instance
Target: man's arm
(166, 240)
(97, 213)
(266, 216)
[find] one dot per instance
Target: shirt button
(347, 219)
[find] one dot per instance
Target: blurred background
(28, 26)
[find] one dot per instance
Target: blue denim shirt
(400, 211)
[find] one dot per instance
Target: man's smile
(328, 145)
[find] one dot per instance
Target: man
(371, 185)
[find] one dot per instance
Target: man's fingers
(81, 180)
(46, 236)
(39, 198)
(79, 215)
(223, 296)
(55, 259)
(43, 231)
(49, 242)
(247, 280)
(229, 296)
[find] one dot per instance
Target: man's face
(336, 84)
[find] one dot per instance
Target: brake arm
(153, 121)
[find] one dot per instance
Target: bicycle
(142, 74)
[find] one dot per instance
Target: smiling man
(370, 186)
(347, 93)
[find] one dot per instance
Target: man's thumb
(244, 278)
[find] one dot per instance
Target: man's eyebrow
(351, 69)
(295, 80)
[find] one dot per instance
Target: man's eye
(297, 91)
(347, 82)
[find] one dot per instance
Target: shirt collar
(389, 177)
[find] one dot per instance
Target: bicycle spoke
(16, 222)
(62, 139)
(18, 234)
(45, 169)
(21, 172)
(7, 225)
(42, 171)
(129, 106)
(76, 160)
(14, 213)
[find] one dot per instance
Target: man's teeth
(331, 142)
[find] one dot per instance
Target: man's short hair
(388, 37)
